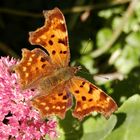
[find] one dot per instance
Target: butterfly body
(59, 76)
(54, 79)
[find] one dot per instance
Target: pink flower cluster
(18, 121)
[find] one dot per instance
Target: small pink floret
(18, 120)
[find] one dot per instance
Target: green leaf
(108, 13)
(128, 59)
(86, 46)
(105, 13)
(88, 62)
(103, 36)
(133, 39)
(128, 126)
(99, 128)
(137, 12)
(91, 128)
(116, 22)
(70, 128)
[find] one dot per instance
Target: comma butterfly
(55, 80)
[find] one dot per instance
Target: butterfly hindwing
(90, 98)
(57, 102)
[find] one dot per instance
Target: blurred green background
(104, 39)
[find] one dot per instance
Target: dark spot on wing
(76, 91)
(53, 52)
(90, 100)
(61, 27)
(50, 42)
(82, 84)
(91, 88)
(52, 36)
(43, 59)
(43, 66)
(62, 41)
(64, 52)
(60, 94)
(83, 98)
(103, 96)
(65, 97)
(79, 103)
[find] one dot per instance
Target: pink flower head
(18, 120)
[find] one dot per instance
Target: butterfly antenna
(96, 76)
(107, 78)
(84, 72)
(103, 77)
(85, 47)
(83, 51)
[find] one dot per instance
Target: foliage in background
(104, 38)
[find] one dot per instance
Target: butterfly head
(76, 69)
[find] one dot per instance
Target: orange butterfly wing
(57, 102)
(90, 98)
(53, 37)
(33, 65)
(40, 70)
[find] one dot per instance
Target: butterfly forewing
(90, 98)
(53, 37)
(33, 65)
